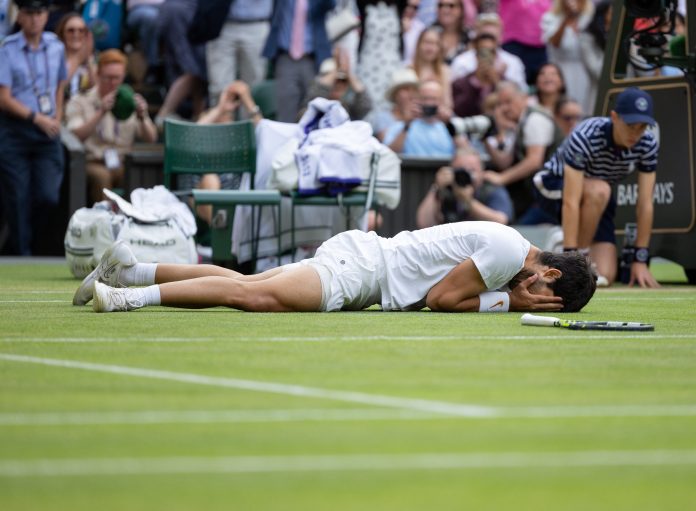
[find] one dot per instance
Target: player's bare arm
(459, 292)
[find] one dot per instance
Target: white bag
(158, 242)
(341, 21)
(89, 229)
(92, 230)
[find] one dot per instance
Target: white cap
(401, 78)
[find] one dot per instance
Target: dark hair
(596, 28)
(558, 70)
(578, 281)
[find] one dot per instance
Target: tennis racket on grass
(533, 320)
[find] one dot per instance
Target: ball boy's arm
(573, 182)
(640, 273)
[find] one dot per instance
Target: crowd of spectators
(411, 68)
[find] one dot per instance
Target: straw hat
(405, 77)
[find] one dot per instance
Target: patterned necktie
(299, 22)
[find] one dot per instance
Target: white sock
(138, 297)
(140, 274)
(151, 295)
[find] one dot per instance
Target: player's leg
(168, 272)
(297, 290)
(595, 197)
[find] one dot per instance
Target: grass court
(221, 410)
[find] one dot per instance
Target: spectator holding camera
(427, 134)
(465, 63)
(536, 136)
(337, 81)
(107, 119)
(460, 193)
(402, 94)
(32, 82)
(469, 91)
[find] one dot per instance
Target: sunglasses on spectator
(73, 30)
(446, 5)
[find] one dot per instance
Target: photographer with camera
(428, 134)
(469, 91)
(460, 193)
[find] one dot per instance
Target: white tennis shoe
(117, 257)
(111, 299)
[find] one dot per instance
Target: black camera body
(452, 210)
(462, 177)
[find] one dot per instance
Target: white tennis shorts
(348, 266)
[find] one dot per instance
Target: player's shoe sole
(108, 271)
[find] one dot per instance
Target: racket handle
(531, 319)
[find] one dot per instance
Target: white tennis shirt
(414, 261)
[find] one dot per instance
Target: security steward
(32, 79)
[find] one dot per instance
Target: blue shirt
(590, 148)
(250, 10)
(28, 72)
(423, 139)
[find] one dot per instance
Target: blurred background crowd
(493, 86)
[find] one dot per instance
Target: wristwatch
(641, 255)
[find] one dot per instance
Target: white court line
(328, 415)
(400, 403)
(211, 416)
(552, 333)
(35, 301)
(422, 405)
(347, 462)
(34, 292)
(647, 298)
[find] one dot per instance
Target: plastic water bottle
(629, 245)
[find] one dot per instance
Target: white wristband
(494, 301)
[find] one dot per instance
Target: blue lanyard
(32, 72)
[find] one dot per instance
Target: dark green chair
(264, 94)
(191, 148)
(346, 201)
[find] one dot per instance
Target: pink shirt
(522, 20)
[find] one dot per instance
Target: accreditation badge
(45, 105)
(111, 159)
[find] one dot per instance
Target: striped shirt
(590, 148)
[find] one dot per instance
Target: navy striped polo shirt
(590, 148)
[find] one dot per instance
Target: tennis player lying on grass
(454, 267)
